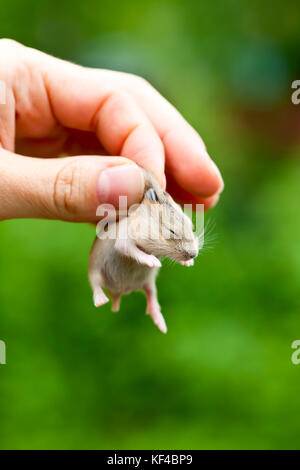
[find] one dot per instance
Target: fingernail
(122, 180)
(213, 201)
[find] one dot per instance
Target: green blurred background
(77, 377)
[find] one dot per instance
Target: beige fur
(122, 266)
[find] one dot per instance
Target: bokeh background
(222, 378)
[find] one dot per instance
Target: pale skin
(103, 123)
(53, 107)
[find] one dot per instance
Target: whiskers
(207, 237)
(170, 261)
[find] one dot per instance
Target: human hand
(54, 108)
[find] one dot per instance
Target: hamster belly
(122, 275)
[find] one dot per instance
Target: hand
(55, 108)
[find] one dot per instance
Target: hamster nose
(190, 254)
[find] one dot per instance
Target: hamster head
(158, 226)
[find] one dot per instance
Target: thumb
(68, 188)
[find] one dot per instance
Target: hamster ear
(151, 194)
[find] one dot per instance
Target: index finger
(80, 99)
(186, 155)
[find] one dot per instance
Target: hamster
(127, 258)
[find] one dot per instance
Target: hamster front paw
(100, 298)
(149, 260)
(190, 262)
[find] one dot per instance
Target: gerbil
(130, 261)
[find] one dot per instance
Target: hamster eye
(173, 233)
(151, 194)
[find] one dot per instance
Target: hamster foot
(115, 303)
(153, 309)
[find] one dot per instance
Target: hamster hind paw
(159, 321)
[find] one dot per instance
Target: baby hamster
(127, 257)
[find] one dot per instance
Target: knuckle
(117, 99)
(9, 43)
(143, 81)
(67, 190)
(138, 80)
(12, 60)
